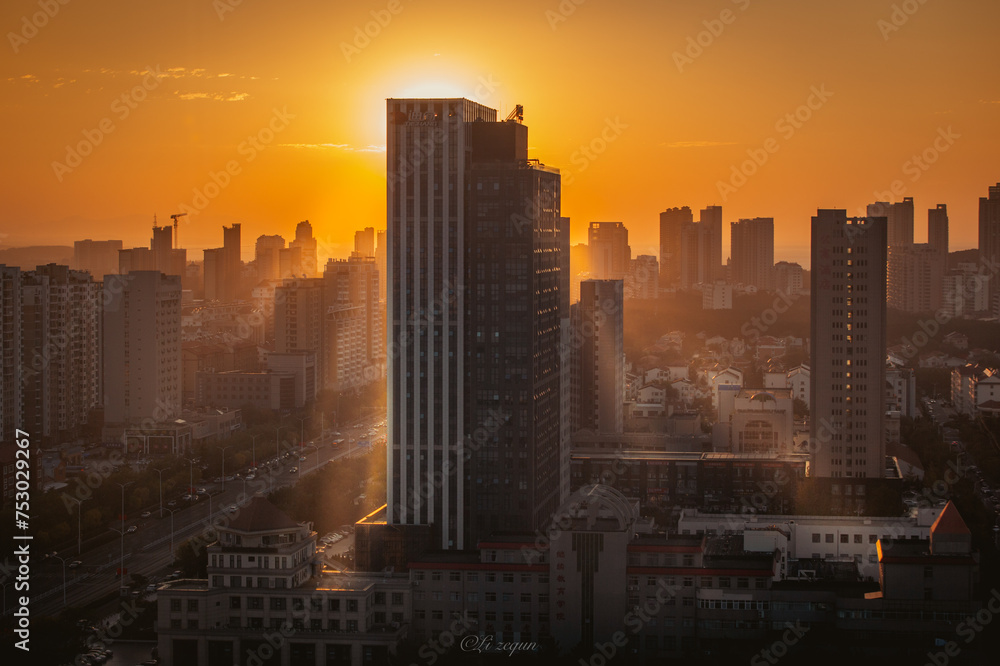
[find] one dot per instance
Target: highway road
(148, 551)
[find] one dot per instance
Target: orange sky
(580, 73)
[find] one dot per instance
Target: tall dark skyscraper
(753, 253)
(848, 333)
(989, 236)
(672, 222)
(937, 229)
(476, 308)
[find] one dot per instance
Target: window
(437, 615)
(175, 605)
(472, 576)
(192, 624)
(743, 581)
(255, 603)
(278, 603)
(455, 576)
(815, 537)
(234, 602)
(706, 581)
(333, 604)
(192, 605)
(352, 607)
(872, 538)
(491, 597)
(333, 625)
(352, 625)
(829, 538)
(845, 538)
(508, 578)
(435, 575)
(397, 598)
(526, 597)
(688, 581)
(491, 578)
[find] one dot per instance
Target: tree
(192, 563)
(800, 409)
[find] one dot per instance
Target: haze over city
(571, 332)
(687, 104)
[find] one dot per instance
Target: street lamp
(121, 567)
(160, 473)
(223, 449)
(79, 531)
(190, 475)
(253, 452)
(302, 429)
(317, 454)
(172, 533)
(123, 485)
(277, 441)
(63, 560)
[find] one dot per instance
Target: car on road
(302, 458)
(232, 508)
(172, 503)
(293, 470)
(132, 529)
(146, 514)
(202, 491)
(186, 497)
(74, 564)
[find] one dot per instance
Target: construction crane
(517, 114)
(174, 217)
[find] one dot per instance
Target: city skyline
(170, 135)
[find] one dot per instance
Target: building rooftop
(950, 522)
